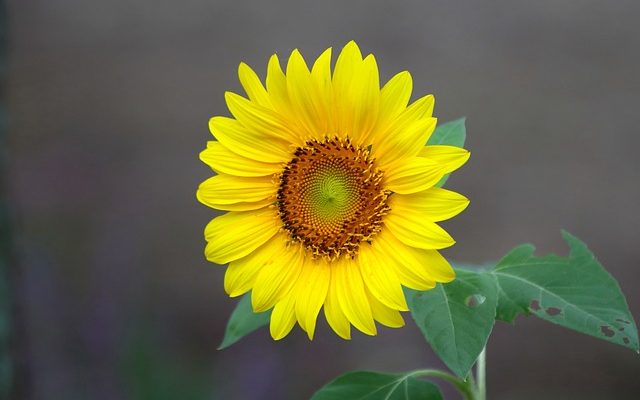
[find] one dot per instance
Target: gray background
(109, 102)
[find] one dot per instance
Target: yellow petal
(321, 77)
(277, 278)
(235, 234)
(394, 98)
(352, 297)
(241, 274)
(311, 292)
(242, 206)
(227, 189)
(418, 269)
(356, 90)
(412, 230)
(346, 68)
(434, 204)
(366, 101)
(407, 134)
(383, 314)
(406, 143)
(258, 119)
(303, 97)
(252, 85)
(412, 175)
(381, 280)
(277, 89)
(384, 248)
(222, 160)
(239, 277)
(249, 143)
(283, 317)
(450, 157)
(334, 314)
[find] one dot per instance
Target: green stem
(470, 389)
(463, 387)
(481, 375)
(471, 379)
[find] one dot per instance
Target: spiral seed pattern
(331, 197)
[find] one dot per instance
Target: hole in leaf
(623, 321)
(625, 340)
(608, 332)
(553, 311)
(474, 300)
(534, 305)
(621, 328)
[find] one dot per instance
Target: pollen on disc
(331, 197)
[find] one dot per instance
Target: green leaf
(575, 292)
(507, 309)
(243, 321)
(366, 385)
(456, 318)
(452, 133)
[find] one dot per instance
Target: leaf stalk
(464, 387)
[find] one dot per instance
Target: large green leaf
(452, 133)
(456, 318)
(243, 321)
(366, 385)
(508, 309)
(575, 292)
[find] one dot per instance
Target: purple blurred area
(108, 106)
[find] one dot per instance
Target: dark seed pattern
(358, 220)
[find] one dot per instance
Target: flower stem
(471, 388)
(481, 376)
(464, 387)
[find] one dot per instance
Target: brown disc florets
(331, 197)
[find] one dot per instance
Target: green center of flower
(331, 197)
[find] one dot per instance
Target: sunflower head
(330, 192)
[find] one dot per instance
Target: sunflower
(331, 194)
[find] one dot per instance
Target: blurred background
(108, 103)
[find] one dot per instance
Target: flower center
(331, 197)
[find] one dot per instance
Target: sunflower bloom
(330, 194)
